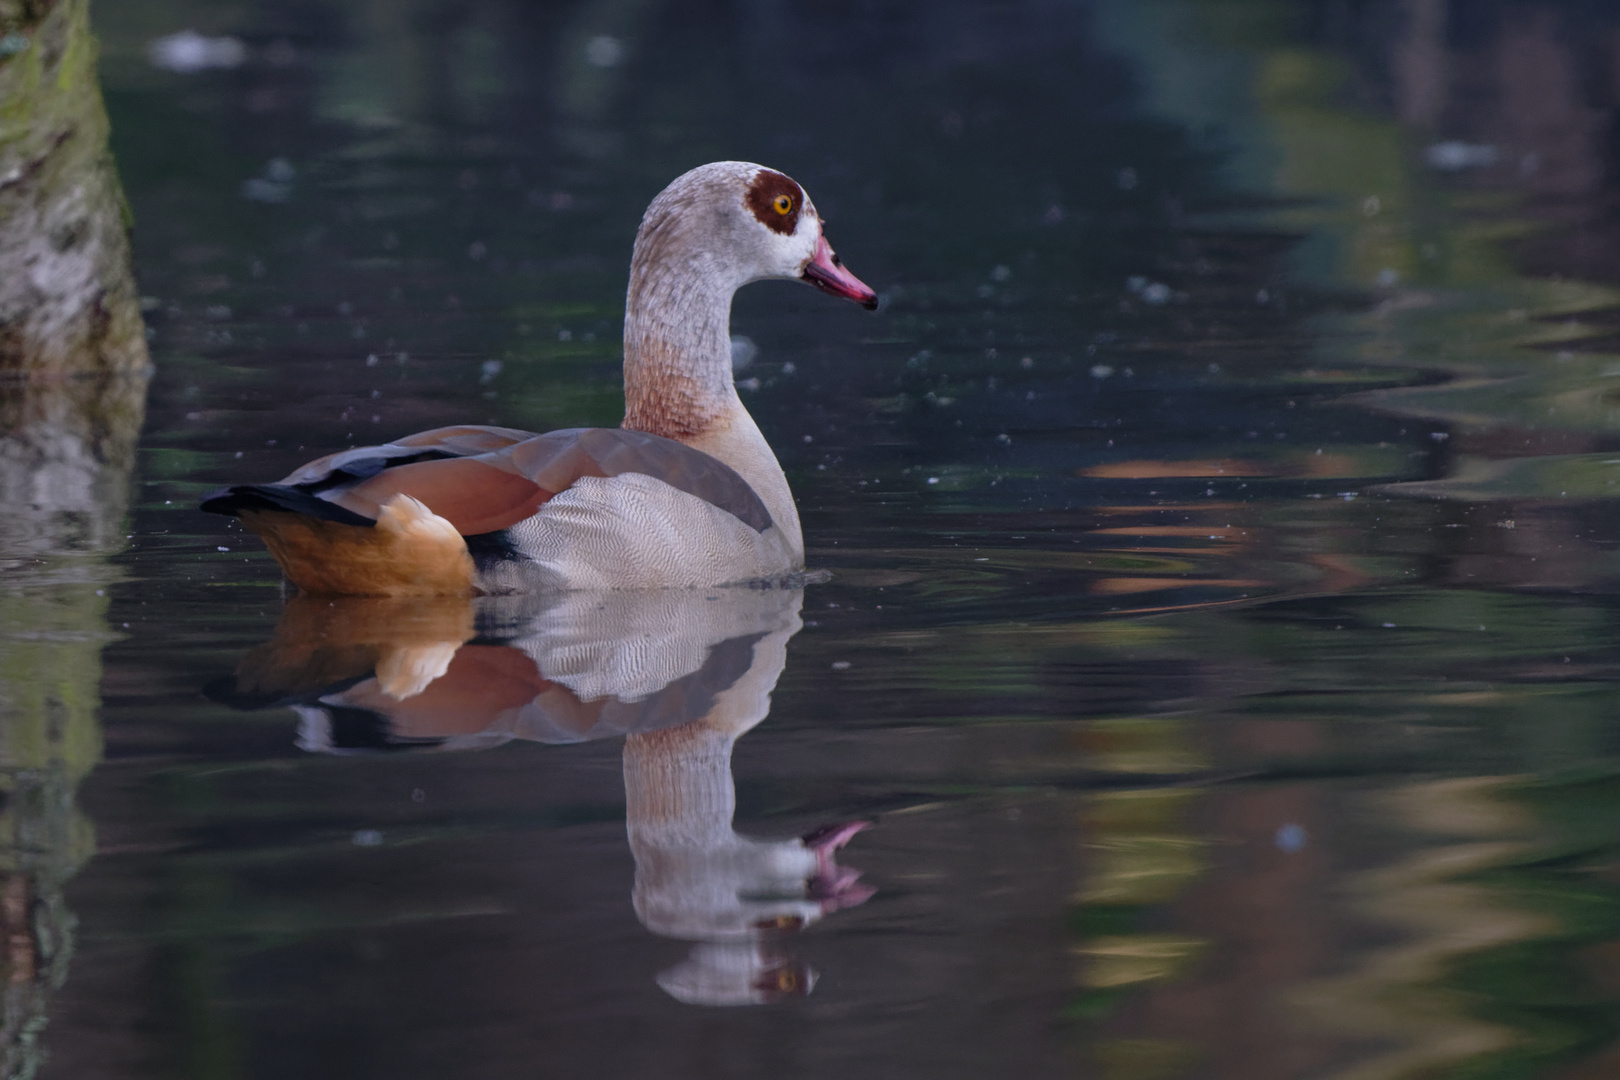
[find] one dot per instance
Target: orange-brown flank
(409, 552)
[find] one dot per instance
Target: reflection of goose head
(696, 878)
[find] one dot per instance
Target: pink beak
(827, 273)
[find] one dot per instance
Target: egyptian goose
(685, 493)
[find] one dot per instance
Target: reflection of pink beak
(836, 886)
(826, 273)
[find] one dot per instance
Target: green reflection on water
(1447, 297)
(1394, 652)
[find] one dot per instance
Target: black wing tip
(231, 501)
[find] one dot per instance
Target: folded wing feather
(486, 479)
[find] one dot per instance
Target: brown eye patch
(775, 201)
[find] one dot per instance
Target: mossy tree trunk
(68, 304)
(73, 369)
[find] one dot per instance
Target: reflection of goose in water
(680, 673)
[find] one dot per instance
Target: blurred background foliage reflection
(1223, 626)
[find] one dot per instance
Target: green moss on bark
(68, 303)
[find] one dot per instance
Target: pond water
(1220, 643)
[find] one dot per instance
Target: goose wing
(486, 479)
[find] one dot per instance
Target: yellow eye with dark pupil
(783, 205)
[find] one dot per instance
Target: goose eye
(783, 205)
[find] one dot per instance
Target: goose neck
(677, 353)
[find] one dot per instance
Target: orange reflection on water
(1317, 464)
(1163, 470)
(1119, 586)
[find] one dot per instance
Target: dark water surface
(1222, 629)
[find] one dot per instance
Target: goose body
(687, 493)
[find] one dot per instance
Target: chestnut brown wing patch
(475, 494)
(482, 491)
(317, 489)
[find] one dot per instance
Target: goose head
(728, 223)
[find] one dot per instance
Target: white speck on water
(1290, 838)
(222, 547)
(1455, 155)
(1439, 436)
(1101, 371)
(1388, 277)
(604, 51)
(743, 351)
(418, 795)
(841, 665)
(788, 368)
(189, 52)
(488, 370)
(933, 479)
(1389, 626)
(1371, 205)
(1156, 293)
(371, 360)
(1001, 273)
(366, 838)
(275, 186)
(1125, 179)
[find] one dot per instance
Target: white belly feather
(632, 531)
